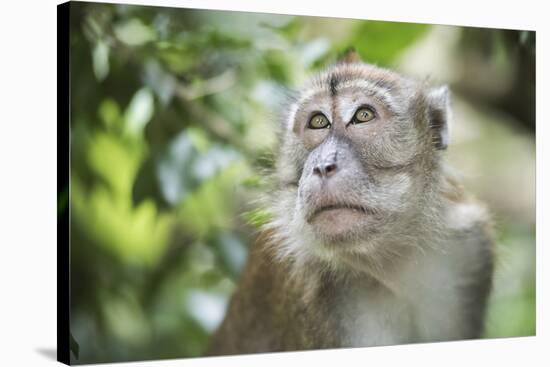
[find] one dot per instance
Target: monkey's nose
(325, 170)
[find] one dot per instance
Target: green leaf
(100, 57)
(134, 33)
(231, 252)
(382, 42)
(258, 217)
(109, 112)
(139, 111)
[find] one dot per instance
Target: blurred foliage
(384, 41)
(172, 128)
(499, 69)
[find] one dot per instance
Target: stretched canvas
(235, 183)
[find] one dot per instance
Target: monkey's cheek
(338, 223)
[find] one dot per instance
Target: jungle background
(173, 124)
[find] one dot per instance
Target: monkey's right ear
(349, 56)
(439, 115)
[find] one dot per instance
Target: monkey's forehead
(359, 75)
(387, 86)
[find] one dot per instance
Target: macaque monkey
(372, 241)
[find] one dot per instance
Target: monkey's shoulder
(465, 217)
(469, 223)
(472, 250)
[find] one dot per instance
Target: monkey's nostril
(317, 171)
(330, 169)
(325, 170)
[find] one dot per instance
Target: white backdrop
(28, 182)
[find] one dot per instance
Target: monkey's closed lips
(338, 208)
(337, 220)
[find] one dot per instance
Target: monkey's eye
(363, 114)
(318, 121)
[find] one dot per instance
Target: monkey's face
(357, 175)
(361, 151)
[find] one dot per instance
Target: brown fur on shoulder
(288, 320)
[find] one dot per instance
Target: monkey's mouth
(351, 207)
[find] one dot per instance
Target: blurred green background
(173, 125)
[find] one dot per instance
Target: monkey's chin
(339, 224)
